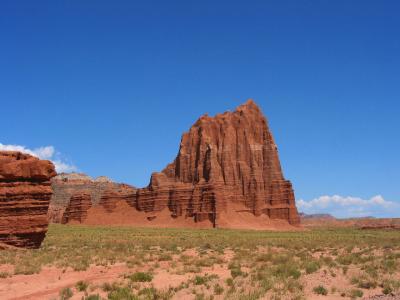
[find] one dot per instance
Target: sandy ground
(234, 218)
(51, 280)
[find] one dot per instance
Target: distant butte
(226, 174)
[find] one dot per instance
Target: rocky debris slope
(25, 192)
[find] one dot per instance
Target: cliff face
(226, 174)
(25, 193)
(66, 186)
(77, 208)
(223, 160)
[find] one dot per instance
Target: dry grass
(251, 264)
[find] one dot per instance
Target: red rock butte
(226, 174)
(25, 193)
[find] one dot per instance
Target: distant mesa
(304, 216)
(327, 220)
(227, 174)
(25, 193)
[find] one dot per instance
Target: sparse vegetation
(218, 289)
(121, 293)
(4, 274)
(66, 294)
(92, 297)
(320, 290)
(312, 267)
(81, 286)
(255, 264)
(141, 277)
(356, 294)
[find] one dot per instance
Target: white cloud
(344, 207)
(47, 152)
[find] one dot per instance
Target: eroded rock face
(227, 159)
(25, 192)
(77, 208)
(65, 186)
(226, 174)
(110, 198)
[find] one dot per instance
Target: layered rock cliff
(77, 208)
(226, 174)
(226, 161)
(25, 192)
(66, 186)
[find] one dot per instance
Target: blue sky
(109, 87)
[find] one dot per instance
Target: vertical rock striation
(77, 208)
(65, 186)
(226, 174)
(25, 193)
(223, 160)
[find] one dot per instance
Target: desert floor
(83, 262)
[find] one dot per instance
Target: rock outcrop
(226, 174)
(25, 192)
(110, 198)
(67, 186)
(223, 160)
(77, 208)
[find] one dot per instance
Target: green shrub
(390, 286)
(345, 269)
(312, 267)
(387, 290)
(218, 289)
(150, 293)
(266, 284)
(66, 294)
(230, 282)
(345, 259)
(121, 293)
(93, 297)
(199, 297)
(356, 294)
(27, 268)
(389, 265)
(265, 257)
(236, 272)
(141, 277)
(108, 287)
(165, 257)
(320, 290)
(199, 280)
(81, 286)
(286, 271)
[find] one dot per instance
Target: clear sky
(111, 86)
